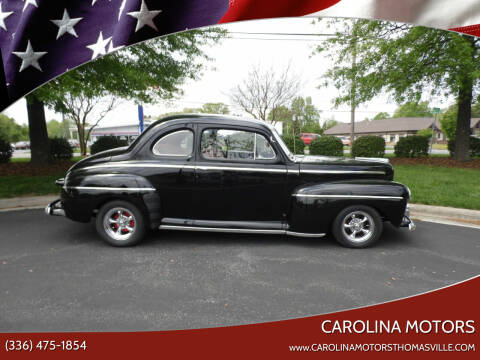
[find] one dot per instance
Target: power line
(280, 34)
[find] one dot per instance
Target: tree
(147, 72)
(327, 124)
(408, 62)
(381, 116)
(476, 110)
(11, 131)
(265, 90)
(215, 108)
(448, 122)
(81, 109)
(413, 109)
(284, 115)
(55, 129)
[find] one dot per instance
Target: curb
(446, 215)
(437, 214)
(26, 203)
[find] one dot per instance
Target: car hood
(314, 159)
(377, 167)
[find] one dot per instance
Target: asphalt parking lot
(56, 275)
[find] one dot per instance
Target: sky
(233, 58)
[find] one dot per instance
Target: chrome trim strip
(238, 231)
(108, 188)
(226, 230)
(342, 172)
(293, 233)
(120, 164)
(231, 168)
(351, 196)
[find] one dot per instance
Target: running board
(238, 231)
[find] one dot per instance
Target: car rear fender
(83, 195)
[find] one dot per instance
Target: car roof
(213, 119)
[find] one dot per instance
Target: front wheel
(357, 226)
(120, 223)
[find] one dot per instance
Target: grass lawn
(19, 185)
(26, 160)
(442, 186)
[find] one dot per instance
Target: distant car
(308, 137)
(345, 141)
(217, 173)
(22, 145)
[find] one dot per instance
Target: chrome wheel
(119, 223)
(358, 226)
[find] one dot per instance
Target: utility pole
(353, 88)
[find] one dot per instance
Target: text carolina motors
(390, 327)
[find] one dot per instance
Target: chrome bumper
(406, 221)
(55, 208)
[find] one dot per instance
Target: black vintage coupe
(217, 173)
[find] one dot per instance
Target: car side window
(177, 143)
(236, 145)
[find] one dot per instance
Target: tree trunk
(37, 128)
(81, 139)
(462, 137)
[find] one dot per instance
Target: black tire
(353, 216)
(120, 235)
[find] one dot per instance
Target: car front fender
(315, 206)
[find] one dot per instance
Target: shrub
(326, 145)
(369, 146)
(474, 146)
(412, 146)
(5, 151)
(60, 148)
(106, 143)
(299, 144)
(425, 133)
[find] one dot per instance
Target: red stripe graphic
(470, 30)
(248, 9)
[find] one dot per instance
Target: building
(393, 129)
(124, 132)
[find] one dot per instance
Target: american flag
(41, 39)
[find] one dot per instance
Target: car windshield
(279, 139)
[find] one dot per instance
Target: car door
(239, 176)
(171, 170)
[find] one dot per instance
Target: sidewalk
(437, 214)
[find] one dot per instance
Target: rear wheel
(120, 223)
(357, 226)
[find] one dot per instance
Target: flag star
(66, 25)
(94, 1)
(29, 57)
(31, 2)
(122, 7)
(144, 17)
(111, 48)
(3, 16)
(99, 47)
